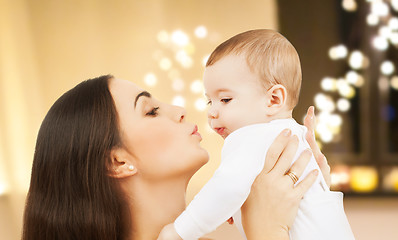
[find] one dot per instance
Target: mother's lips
(195, 129)
(196, 133)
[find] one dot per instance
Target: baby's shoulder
(251, 136)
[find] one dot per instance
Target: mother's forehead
(123, 87)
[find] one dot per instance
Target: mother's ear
(121, 165)
(276, 98)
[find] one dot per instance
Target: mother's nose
(180, 113)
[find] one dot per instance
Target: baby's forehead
(218, 91)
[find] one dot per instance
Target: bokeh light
(184, 59)
(325, 134)
(349, 5)
(150, 79)
(201, 104)
(387, 68)
(187, 62)
(179, 101)
(380, 43)
(354, 78)
(180, 38)
(340, 177)
(394, 38)
(385, 32)
(338, 52)
(380, 8)
(363, 179)
(345, 89)
(356, 60)
(189, 49)
(163, 36)
(390, 181)
(201, 32)
(328, 84)
(393, 23)
(343, 105)
(178, 84)
(372, 19)
(394, 82)
(335, 120)
(394, 4)
(197, 86)
(383, 83)
(324, 102)
(165, 63)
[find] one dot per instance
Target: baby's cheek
(235, 122)
(209, 122)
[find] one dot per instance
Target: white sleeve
(243, 158)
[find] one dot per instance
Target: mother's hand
(272, 205)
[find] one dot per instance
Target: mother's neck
(154, 204)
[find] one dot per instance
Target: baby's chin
(225, 134)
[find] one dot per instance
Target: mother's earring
(131, 167)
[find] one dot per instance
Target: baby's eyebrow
(219, 91)
(223, 90)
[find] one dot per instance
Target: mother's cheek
(156, 142)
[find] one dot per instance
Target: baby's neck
(280, 115)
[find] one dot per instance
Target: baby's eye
(209, 102)
(153, 112)
(226, 100)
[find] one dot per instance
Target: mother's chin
(198, 161)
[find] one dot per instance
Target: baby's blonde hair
(269, 55)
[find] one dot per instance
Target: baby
(252, 83)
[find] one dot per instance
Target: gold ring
(292, 175)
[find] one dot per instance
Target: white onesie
(321, 213)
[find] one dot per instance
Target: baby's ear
(276, 98)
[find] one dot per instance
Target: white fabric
(242, 159)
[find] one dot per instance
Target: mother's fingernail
(287, 132)
(312, 112)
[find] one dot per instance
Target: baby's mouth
(220, 131)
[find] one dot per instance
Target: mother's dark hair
(71, 194)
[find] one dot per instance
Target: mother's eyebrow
(144, 93)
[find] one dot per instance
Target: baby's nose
(212, 113)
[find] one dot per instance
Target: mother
(112, 162)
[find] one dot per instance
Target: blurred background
(348, 51)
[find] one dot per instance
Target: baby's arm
(242, 159)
